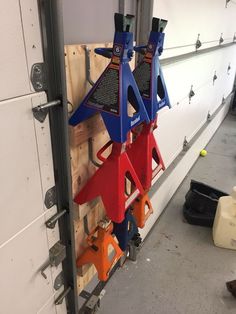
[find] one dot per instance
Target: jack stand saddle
(109, 182)
(97, 252)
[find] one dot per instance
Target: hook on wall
(228, 69)
(87, 65)
(234, 38)
(90, 152)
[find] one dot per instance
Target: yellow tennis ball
(203, 152)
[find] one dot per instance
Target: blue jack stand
(115, 88)
(148, 73)
(126, 230)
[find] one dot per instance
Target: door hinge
(38, 77)
(50, 197)
(57, 254)
(59, 281)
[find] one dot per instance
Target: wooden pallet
(82, 168)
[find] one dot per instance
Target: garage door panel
(23, 257)
(14, 79)
(21, 192)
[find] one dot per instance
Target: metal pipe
(47, 105)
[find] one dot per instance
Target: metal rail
(53, 47)
(194, 53)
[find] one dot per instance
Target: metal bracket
(59, 281)
(87, 65)
(50, 197)
(209, 117)
(214, 78)
(221, 40)
(57, 254)
(38, 77)
(198, 42)
(185, 144)
(191, 94)
(51, 222)
(226, 3)
(228, 69)
(40, 112)
(92, 302)
(62, 296)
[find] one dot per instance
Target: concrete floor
(179, 270)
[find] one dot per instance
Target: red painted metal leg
(109, 183)
(142, 152)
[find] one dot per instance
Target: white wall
(185, 20)
(188, 18)
(91, 21)
(26, 170)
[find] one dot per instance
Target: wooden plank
(81, 166)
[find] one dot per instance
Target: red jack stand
(109, 182)
(139, 210)
(142, 152)
(97, 252)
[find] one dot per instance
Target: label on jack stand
(143, 73)
(106, 95)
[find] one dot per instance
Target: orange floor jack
(99, 242)
(142, 209)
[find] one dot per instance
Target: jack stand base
(134, 247)
(97, 252)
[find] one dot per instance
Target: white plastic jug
(224, 228)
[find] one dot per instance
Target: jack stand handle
(140, 49)
(102, 150)
(105, 52)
